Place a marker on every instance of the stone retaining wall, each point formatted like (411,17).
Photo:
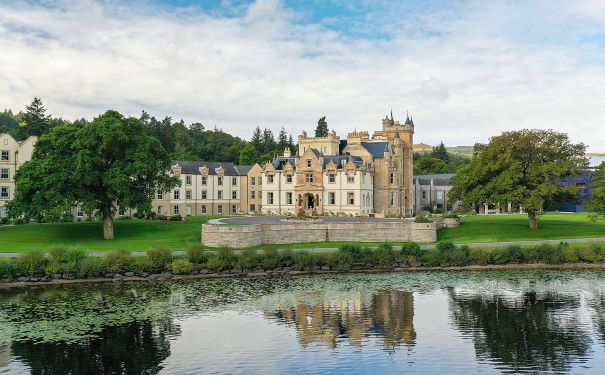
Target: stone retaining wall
(241,236)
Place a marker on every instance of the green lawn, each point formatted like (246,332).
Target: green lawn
(129,234)
(495,228)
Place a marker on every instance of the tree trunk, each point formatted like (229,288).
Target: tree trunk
(108,227)
(533,221)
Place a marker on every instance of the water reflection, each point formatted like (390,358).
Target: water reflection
(387,315)
(531,331)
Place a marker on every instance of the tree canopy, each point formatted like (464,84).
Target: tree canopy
(322,128)
(522,167)
(596,203)
(109,163)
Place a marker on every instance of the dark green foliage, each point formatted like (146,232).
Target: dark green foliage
(176,217)
(181,266)
(31,263)
(453,255)
(226,258)
(336,261)
(7,268)
(412,252)
(35,119)
(160,257)
(596,203)
(322,127)
(384,255)
(75,255)
(352,251)
(303,261)
(545,253)
(247,259)
(440,152)
(509,254)
(119,261)
(197,254)
(93,267)
(271,258)
(161,217)
(423,219)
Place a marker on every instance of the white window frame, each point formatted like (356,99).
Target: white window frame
(350,198)
(8,173)
(270,198)
(219,209)
(187,194)
(219,181)
(176,210)
(288,197)
(176,194)
(5,155)
(204,194)
(204,209)
(270,179)
(188,180)
(252,181)
(220,194)
(332,178)
(233,194)
(331,198)
(309,178)
(233,181)
(204,180)
(350,178)
(288,179)
(252,194)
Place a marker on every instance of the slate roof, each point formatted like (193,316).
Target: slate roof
(281,161)
(376,149)
(193,167)
(438,179)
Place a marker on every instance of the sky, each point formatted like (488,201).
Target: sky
(465,70)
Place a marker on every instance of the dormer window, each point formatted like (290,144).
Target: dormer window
(220,181)
(288,178)
(350,178)
(188,180)
(270,179)
(332,178)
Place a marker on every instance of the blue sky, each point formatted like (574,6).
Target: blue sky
(466,70)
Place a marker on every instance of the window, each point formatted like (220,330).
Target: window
(288,179)
(234,194)
(204,194)
(175,210)
(204,180)
(220,194)
(5,141)
(252,181)
(393,178)
(260,181)
(160,195)
(288,198)
(219,209)
(332,178)
(424,195)
(270,179)
(350,178)
(253,194)
(4,173)
(188,194)
(332,198)
(79,211)
(122,211)
(188,180)
(393,199)
(176,194)
(234,208)
(220,181)
(252,207)
(308,163)
(160,210)
(5,155)
(188,210)
(204,210)
(270,198)
(351,198)
(439,195)
(309,178)
(233,181)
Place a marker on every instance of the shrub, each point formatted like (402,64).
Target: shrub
(226,257)
(452,254)
(92,267)
(56,254)
(451,215)
(509,254)
(411,252)
(119,261)
(197,254)
(336,261)
(161,217)
(271,258)
(160,257)
(31,263)
(75,255)
(176,217)
(598,250)
(545,253)
(4,220)
(7,268)
(143,264)
(303,261)
(423,219)
(181,266)
(586,254)
(480,256)
(384,255)
(19,221)
(247,258)
(353,252)
(213,263)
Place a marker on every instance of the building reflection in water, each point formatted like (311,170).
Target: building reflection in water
(388,316)
(526,331)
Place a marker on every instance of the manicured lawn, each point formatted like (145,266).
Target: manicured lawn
(129,234)
(495,228)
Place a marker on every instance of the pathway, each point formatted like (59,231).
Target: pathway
(425,246)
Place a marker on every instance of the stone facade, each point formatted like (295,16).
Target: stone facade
(430,191)
(13,155)
(359,176)
(217,235)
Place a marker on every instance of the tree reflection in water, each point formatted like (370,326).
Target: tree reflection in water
(387,315)
(529,331)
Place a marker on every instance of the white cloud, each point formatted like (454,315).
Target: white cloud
(465,74)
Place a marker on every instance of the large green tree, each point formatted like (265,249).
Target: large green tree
(322,127)
(522,167)
(37,122)
(108,163)
(247,155)
(596,203)
(440,152)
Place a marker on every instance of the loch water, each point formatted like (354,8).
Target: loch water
(538,321)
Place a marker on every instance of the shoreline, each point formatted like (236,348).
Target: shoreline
(223,275)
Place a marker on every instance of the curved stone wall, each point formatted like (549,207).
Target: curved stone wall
(242,236)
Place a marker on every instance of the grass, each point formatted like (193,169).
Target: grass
(507,228)
(129,234)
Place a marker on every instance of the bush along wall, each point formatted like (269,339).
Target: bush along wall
(158,263)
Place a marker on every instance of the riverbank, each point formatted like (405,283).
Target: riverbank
(282,273)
